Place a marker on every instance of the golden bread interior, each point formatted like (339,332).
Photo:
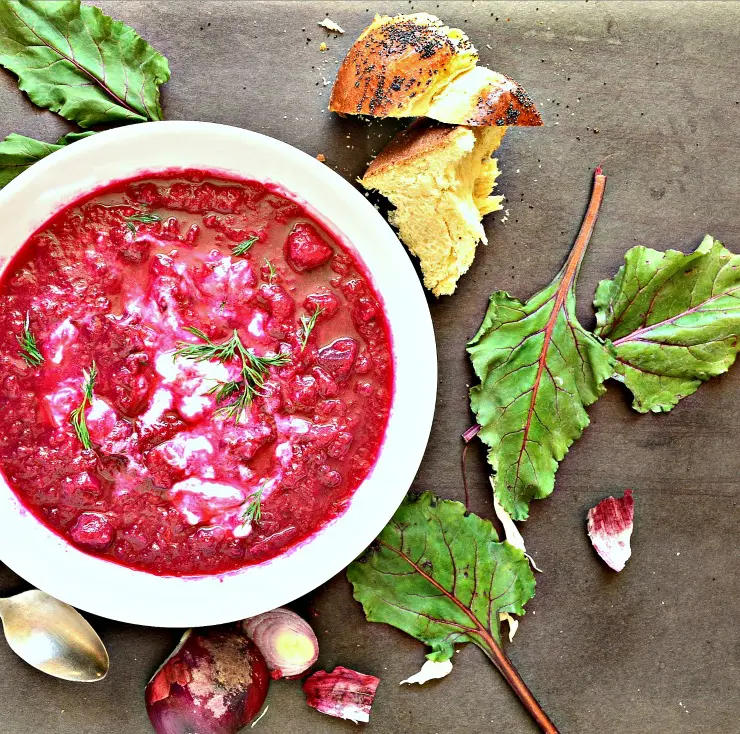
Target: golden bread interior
(440,192)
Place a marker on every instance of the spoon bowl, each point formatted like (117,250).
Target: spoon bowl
(53,637)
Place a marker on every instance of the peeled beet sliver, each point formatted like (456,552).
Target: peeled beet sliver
(610,528)
(343,693)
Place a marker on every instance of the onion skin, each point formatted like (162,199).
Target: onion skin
(343,693)
(214,682)
(286,641)
(610,528)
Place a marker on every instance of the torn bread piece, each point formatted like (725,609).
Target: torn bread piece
(414,66)
(398,64)
(439,178)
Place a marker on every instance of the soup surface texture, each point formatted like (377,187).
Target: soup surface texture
(195,374)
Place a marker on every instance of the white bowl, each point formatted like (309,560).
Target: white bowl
(110,590)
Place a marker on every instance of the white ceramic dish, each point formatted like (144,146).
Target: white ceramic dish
(116,592)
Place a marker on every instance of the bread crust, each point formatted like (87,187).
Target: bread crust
(507,104)
(483,97)
(418,140)
(394,61)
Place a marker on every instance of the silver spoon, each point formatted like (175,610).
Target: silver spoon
(53,637)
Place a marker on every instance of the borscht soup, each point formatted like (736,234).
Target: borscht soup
(195,373)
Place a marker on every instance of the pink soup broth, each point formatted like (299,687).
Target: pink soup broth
(115,279)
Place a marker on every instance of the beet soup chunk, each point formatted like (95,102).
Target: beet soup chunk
(322,299)
(279,303)
(338,358)
(305,249)
(130,383)
(166,468)
(93,530)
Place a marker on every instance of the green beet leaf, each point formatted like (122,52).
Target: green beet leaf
(674,320)
(441,575)
(538,370)
(17,152)
(75,61)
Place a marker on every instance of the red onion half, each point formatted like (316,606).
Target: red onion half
(214,682)
(286,641)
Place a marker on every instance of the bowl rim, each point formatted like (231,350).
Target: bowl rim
(117,592)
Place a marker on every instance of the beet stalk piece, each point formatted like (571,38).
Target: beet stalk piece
(343,693)
(610,528)
(214,682)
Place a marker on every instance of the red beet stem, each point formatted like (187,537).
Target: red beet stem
(465,475)
(467,437)
(471,433)
(499,658)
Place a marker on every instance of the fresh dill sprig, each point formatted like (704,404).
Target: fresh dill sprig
(253,511)
(243,399)
(142,218)
(254,369)
(307,325)
(272,271)
(209,349)
(77,417)
(243,247)
(224,390)
(29,348)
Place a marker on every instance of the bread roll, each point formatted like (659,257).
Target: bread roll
(439,177)
(414,66)
(398,64)
(484,97)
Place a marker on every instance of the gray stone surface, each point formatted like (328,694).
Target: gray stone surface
(654,85)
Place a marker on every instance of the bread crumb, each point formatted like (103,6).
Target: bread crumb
(323,46)
(330,25)
(321,158)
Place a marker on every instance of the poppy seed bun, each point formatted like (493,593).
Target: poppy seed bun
(415,66)
(439,177)
(398,64)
